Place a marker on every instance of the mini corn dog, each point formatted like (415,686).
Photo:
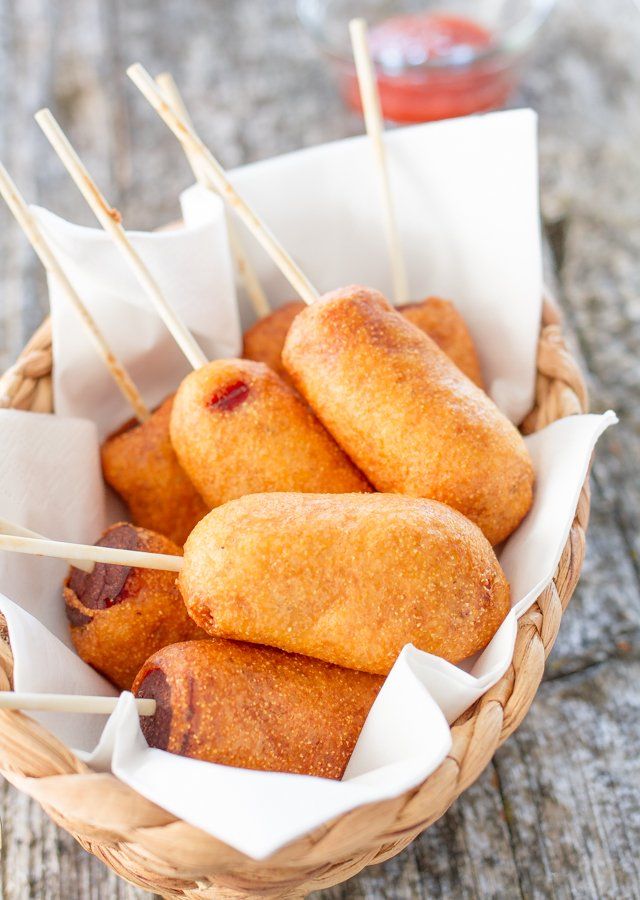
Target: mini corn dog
(140,464)
(263,342)
(239,429)
(254,707)
(404,413)
(120,615)
(348,579)
(438,318)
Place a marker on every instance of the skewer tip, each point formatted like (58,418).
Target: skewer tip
(164,78)
(137,73)
(47,122)
(44,113)
(150,89)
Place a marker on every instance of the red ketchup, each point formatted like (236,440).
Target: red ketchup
(465,85)
(230,396)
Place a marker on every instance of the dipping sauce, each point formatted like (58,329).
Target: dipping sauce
(466,81)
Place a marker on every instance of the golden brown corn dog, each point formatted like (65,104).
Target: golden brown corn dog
(348,579)
(254,707)
(239,429)
(118,615)
(263,342)
(139,463)
(444,325)
(404,413)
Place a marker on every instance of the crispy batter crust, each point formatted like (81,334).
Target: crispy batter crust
(443,323)
(438,318)
(238,429)
(139,463)
(255,707)
(405,414)
(118,615)
(349,579)
(263,342)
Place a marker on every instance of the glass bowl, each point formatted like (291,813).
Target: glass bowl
(434,60)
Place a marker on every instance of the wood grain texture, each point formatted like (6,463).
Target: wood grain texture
(558,812)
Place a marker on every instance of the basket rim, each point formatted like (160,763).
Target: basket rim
(153,849)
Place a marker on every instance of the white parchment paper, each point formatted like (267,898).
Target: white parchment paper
(467,198)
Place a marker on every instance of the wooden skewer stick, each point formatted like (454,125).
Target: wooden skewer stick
(110,220)
(375,129)
(214,171)
(69,703)
(18,206)
(167,85)
(139,559)
(7,527)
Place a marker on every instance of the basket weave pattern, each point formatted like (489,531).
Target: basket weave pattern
(152,849)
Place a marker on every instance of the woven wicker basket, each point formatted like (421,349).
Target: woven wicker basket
(150,848)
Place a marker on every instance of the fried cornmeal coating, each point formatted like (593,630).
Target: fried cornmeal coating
(254,707)
(120,615)
(239,429)
(438,318)
(263,342)
(444,324)
(349,579)
(404,412)
(139,463)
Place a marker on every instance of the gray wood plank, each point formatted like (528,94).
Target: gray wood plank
(576,825)
(466,854)
(41,861)
(603,620)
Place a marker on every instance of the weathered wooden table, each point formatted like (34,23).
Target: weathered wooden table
(557,814)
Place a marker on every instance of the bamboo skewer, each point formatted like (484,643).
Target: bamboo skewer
(25,541)
(69,703)
(214,171)
(7,527)
(23,215)
(375,129)
(139,559)
(110,220)
(167,85)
